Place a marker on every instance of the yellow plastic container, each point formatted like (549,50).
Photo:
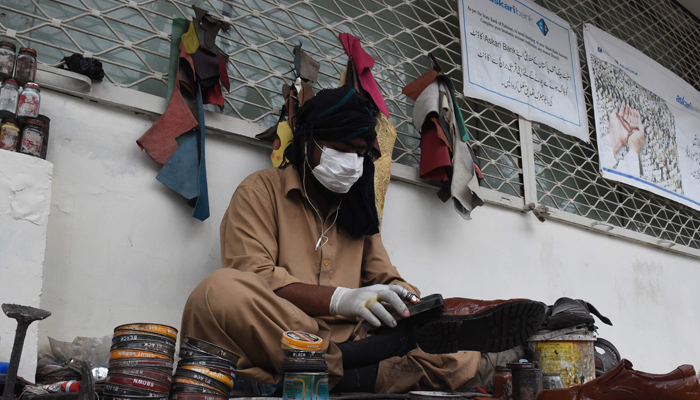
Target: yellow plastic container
(568,352)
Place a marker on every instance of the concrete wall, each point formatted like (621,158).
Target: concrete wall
(25,199)
(123,248)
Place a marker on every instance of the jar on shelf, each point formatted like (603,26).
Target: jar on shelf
(32,139)
(47,135)
(9,134)
(28,103)
(9,94)
(7,59)
(26,65)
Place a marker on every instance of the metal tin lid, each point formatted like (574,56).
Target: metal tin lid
(211,348)
(36,122)
(424,395)
(301,341)
(566,334)
(147,327)
(27,50)
(520,366)
(8,44)
(11,81)
(9,120)
(32,85)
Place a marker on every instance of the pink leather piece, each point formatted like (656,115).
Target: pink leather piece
(363,63)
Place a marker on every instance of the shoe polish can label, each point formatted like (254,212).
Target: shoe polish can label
(306,386)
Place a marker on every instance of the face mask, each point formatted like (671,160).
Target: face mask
(338,171)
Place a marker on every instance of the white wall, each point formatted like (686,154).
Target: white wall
(25,199)
(123,248)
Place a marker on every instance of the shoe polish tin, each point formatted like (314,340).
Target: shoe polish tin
(305,386)
(527,381)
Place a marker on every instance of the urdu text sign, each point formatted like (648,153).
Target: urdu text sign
(524,58)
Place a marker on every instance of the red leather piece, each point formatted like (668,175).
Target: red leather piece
(462,306)
(213,95)
(159,141)
(223,74)
(435,155)
(188,58)
(415,88)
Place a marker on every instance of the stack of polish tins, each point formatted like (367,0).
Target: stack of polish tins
(205,371)
(141,362)
(304,366)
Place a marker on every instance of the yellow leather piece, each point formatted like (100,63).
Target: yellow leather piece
(284,132)
(386,136)
(190,41)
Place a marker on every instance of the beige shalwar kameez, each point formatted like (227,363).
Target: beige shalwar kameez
(268,240)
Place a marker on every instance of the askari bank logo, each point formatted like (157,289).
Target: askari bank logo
(515,10)
(682,101)
(543,26)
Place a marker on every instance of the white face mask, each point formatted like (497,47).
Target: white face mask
(338,171)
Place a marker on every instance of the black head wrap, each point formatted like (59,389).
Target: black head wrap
(341,115)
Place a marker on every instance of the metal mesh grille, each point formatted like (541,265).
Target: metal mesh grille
(131,39)
(567,169)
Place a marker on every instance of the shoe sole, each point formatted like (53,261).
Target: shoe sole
(498,329)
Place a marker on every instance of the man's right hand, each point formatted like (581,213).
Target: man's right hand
(366,303)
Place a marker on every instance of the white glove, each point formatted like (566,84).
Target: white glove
(365,303)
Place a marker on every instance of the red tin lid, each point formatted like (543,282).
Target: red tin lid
(8,44)
(28,50)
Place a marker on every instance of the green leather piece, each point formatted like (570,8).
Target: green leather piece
(176,31)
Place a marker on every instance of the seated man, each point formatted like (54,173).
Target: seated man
(301,251)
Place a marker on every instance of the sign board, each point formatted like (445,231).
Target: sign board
(519,56)
(647,120)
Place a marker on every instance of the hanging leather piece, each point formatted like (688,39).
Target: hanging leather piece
(159,140)
(363,64)
(386,137)
(305,67)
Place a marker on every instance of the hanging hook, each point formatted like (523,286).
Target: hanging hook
(436,66)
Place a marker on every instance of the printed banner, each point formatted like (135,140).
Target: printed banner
(519,56)
(647,120)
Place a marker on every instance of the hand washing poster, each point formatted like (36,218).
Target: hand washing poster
(519,56)
(647,120)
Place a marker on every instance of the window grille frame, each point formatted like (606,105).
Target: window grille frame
(521,193)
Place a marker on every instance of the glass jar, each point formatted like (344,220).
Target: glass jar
(32,141)
(47,135)
(9,134)
(7,59)
(9,94)
(26,65)
(28,103)
(503,383)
